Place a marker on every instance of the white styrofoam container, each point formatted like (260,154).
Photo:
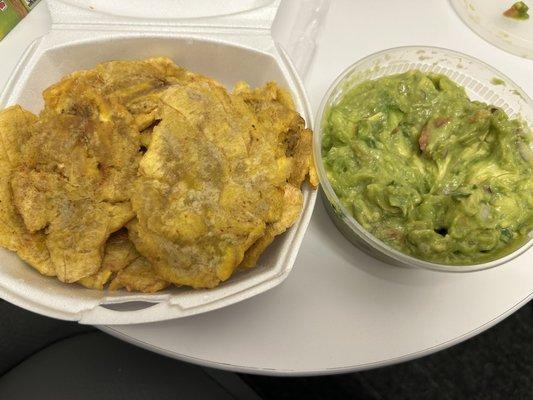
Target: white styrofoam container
(229,41)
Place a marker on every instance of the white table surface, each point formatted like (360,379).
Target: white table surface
(341,310)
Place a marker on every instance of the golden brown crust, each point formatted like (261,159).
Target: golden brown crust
(138,276)
(203,178)
(15,129)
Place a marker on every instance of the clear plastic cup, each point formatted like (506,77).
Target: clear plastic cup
(481,82)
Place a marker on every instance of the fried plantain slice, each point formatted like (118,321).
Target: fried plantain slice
(275,111)
(186,204)
(291,143)
(119,253)
(138,84)
(292,202)
(15,129)
(138,276)
(96,281)
(74,180)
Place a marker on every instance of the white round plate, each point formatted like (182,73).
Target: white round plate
(485,17)
(340,310)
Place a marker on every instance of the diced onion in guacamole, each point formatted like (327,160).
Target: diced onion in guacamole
(428,171)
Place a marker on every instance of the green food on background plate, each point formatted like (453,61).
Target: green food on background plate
(428,171)
(518,11)
(497,81)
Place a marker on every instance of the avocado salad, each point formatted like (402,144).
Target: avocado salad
(518,10)
(428,171)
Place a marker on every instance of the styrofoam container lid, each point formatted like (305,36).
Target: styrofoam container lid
(252,14)
(214,38)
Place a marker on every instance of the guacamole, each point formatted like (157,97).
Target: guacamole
(518,11)
(428,171)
